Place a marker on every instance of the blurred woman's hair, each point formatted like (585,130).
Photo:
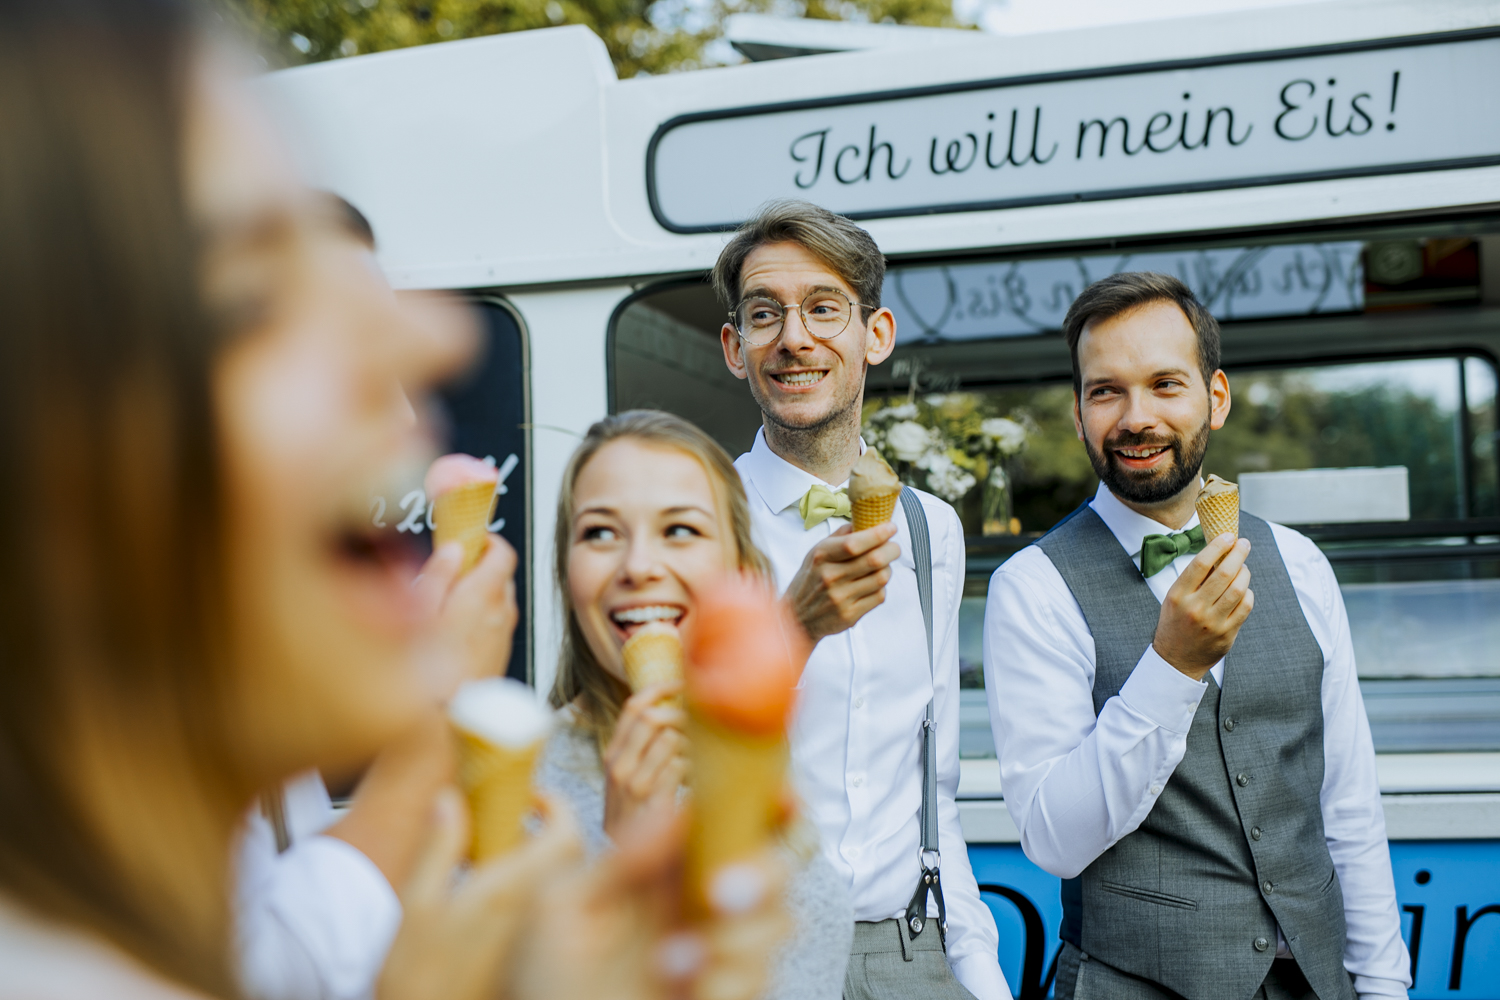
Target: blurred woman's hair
(118,795)
(581,680)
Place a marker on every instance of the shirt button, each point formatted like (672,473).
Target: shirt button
(1242,780)
(859,703)
(1155,789)
(1267,887)
(858,782)
(1228,725)
(1255,833)
(1261,944)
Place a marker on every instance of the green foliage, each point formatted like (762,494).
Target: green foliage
(926,13)
(1282,420)
(642,36)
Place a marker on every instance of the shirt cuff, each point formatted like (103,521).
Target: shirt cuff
(981,976)
(1372,986)
(1162,694)
(340,908)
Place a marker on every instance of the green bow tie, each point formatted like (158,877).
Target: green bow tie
(1158,551)
(820,503)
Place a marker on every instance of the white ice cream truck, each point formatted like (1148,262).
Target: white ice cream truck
(1326,177)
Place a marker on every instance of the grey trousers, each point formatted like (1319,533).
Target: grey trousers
(886,963)
(1082,978)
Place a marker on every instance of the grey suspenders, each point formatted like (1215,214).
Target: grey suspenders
(916,910)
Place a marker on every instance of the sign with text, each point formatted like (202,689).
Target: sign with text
(1020,297)
(1391,106)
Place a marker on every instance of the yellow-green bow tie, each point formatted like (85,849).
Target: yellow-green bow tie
(820,503)
(1158,551)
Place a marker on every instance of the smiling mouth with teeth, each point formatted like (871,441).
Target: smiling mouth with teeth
(799,380)
(627,620)
(1141,452)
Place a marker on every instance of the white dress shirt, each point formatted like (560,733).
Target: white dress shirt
(314,922)
(856,734)
(1075,784)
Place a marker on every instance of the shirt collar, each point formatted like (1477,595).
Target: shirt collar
(1129,527)
(780,483)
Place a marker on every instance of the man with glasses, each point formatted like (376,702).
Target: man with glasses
(803,287)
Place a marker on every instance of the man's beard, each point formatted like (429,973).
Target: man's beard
(1149,485)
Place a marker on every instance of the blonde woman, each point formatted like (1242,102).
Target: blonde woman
(651,512)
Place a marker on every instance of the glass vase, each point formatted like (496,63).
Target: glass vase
(997,517)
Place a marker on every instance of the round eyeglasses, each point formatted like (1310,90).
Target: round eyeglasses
(825,313)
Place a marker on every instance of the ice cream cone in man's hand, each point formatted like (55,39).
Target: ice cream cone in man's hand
(501,728)
(873,489)
(1219,508)
(744,658)
(461,490)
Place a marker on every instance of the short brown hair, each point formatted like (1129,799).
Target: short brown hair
(1120,293)
(580,677)
(848,250)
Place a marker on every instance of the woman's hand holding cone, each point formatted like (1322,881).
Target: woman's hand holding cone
(645,762)
(457,939)
(613,930)
(471,616)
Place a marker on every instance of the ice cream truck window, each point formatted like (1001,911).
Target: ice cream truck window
(1364,380)
(483,412)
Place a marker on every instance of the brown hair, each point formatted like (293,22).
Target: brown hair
(580,678)
(1120,293)
(848,250)
(117,791)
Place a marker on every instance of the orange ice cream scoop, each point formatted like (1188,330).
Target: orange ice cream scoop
(461,490)
(745,656)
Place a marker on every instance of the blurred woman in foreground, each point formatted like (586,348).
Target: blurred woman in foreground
(199,391)
(652,514)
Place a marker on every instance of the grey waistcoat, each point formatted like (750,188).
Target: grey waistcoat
(1234,845)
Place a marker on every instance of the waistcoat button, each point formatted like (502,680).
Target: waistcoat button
(1229,725)
(1242,780)
(1261,944)
(1255,833)
(1267,886)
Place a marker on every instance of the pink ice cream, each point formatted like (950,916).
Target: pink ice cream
(452,471)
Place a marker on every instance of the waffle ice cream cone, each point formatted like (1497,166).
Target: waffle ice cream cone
(873,489)
(739,794)
(500,728)
(462,491)
(463,515)
(1219,508)
(743,662)
(653,655)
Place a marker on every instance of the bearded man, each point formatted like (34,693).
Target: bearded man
(1191,756)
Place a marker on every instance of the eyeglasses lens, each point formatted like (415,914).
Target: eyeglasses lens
(825,314)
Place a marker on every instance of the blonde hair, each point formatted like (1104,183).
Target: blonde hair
(581,679)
